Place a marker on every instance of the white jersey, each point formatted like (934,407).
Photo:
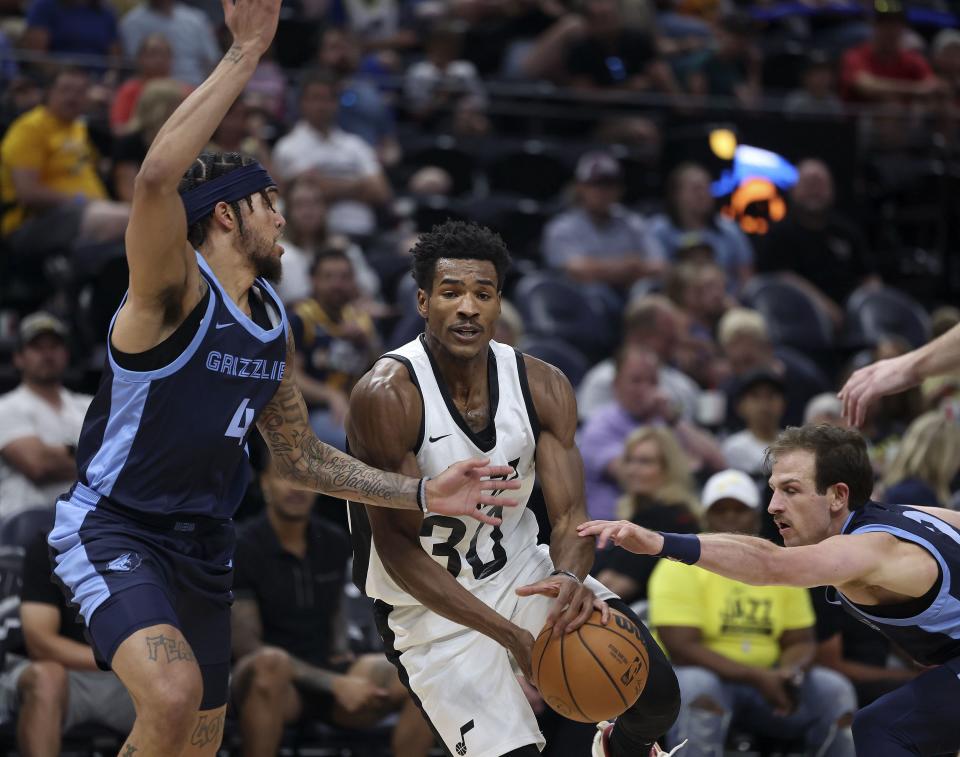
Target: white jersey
(476,554)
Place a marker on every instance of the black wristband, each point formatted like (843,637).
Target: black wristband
(681,547)
(572,575)
(422,494)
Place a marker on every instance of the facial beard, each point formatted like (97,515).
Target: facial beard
(260,252)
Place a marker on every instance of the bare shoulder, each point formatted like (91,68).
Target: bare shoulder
(553,396)
(385,414)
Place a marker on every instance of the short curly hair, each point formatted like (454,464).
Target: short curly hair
(458,240)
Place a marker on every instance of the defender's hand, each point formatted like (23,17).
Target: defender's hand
(874,381)
(460,489)
(574,603)
(253,23)
(623,533)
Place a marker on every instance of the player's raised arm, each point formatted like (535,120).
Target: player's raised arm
(560,470)
(163,271)
(301,457)
(893,375)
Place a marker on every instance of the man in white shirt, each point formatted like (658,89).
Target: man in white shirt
(346,167)
(40,420)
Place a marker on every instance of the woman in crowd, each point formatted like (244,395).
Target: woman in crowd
(926,462)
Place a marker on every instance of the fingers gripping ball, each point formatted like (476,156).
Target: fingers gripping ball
(595,673)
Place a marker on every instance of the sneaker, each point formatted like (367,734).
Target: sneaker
(601,743)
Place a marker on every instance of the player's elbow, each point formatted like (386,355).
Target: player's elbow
(155,176)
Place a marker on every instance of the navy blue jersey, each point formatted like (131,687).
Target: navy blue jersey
(173,440)
(931,633)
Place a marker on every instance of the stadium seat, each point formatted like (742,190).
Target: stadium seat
(558,353)
(22,528)
(555,307)
(518,220)
(875,313)
(793,318)
(531,171)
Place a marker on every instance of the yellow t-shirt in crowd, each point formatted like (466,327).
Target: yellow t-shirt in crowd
(741,622)
(60,150)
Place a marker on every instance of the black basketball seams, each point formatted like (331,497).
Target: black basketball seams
(604,669)
(536,673)
(629,639)
(566,682)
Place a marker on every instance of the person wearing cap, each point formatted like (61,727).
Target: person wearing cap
(599,240)
(760,402)
(40,420)
(743,654)
(197,355)
(882,69)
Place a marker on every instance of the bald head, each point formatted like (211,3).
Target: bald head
(813,192)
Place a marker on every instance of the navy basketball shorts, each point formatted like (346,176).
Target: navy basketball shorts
(125,571)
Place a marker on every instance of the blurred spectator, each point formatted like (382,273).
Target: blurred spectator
(926,462)
(600,240)
(234,134)
(40,420)
(760,404)
(72,27)
(289,632)
(611,55)
(195,49)
(154,60)
(52,195)
(699,290)
(306,234)
(336,343)
(363,109)
(61,685)
(23,93)
(385,28)
(945,57)
(638,401)
(433,86)
(733,66)
(882,69)
(742,653)
(470,119)
(815,246)
(859,653)
(937,389)
(824,409)
(8,62)
(160,97)
(509,328)
(652,322)
(658,493)
(818,93)
(690,207)
(430,181)
(352,182)
(267,90)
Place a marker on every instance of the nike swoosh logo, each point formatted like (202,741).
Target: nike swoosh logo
(224,325)
(438,438)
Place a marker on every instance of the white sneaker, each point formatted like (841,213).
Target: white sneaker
(601,743)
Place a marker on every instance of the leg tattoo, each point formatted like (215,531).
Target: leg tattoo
(207,731)
(173,649)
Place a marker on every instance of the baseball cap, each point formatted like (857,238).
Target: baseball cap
(758,377)
(730,484)
(598,168)
(39,323)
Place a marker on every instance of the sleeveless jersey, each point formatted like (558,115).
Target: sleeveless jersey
(173,440)
(932,635)
(473,552)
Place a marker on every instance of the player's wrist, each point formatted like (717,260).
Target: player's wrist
(568,574)
(681,547)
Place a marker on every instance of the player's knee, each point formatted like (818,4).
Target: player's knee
(270,670)
(43,683)
(173,700)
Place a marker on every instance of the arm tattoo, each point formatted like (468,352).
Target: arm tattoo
(128,750)
(172,649)
(233,55)
(207,731)
(303,458)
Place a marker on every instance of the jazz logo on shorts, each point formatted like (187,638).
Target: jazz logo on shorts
(462,744)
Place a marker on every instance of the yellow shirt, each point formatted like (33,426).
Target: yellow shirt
(739,621)
(61,151)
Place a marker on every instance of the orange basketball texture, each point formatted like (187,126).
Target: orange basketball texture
(595,673)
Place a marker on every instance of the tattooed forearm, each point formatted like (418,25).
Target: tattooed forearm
(300,456)
(234,55)
(207,731)
(128,750)
(168,649)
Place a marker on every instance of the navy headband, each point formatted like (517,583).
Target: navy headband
(232,186)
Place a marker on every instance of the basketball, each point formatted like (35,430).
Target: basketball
(594,673)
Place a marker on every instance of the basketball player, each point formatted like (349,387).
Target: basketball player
(197,354)
(894,567)
(455,602)
(896,374)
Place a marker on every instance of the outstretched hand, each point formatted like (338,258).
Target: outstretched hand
(574,603)
(253,23)
(465,486)
(874,381)
(623,533)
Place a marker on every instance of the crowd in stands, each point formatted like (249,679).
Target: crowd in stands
(590,134)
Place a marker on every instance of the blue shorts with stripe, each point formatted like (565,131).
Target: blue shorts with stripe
(125,570)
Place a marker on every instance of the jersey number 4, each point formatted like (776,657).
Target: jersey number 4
(241,422)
